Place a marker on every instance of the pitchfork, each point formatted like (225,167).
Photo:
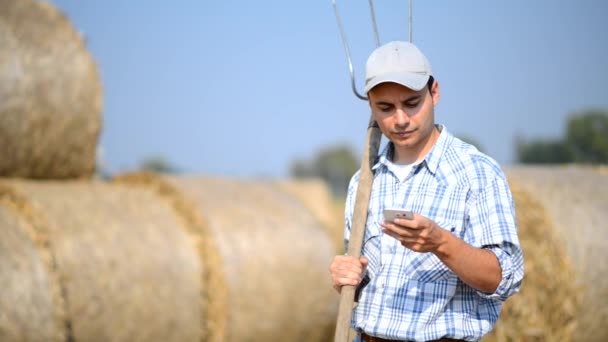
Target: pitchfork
(366,178)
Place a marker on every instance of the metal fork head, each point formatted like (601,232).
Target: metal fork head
(375,27)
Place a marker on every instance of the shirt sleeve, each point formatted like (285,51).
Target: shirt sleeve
(493,227)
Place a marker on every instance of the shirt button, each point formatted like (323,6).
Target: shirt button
(373,318)
(382,285)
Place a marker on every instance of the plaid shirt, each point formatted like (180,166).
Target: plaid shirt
(413,296)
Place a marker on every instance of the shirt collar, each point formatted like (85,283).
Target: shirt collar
(431,160)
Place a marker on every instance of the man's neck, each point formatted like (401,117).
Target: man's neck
(412,154)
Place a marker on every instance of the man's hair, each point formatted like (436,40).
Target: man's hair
(429,83)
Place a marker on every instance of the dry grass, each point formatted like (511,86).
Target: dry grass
(31,300)
(214,295)
(128,272)
(275,257)
(546,307)
(128,258)
(316,197)
(50,108)
(576,200)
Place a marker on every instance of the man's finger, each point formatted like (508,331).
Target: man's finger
(410,224)
(347,269)
(348,281)
(395,229)
(392,234)
(364,261)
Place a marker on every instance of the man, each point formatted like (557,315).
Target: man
(444,274)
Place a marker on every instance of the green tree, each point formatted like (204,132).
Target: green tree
(158,164)
(587,134)
(544,152)
(335,164)
(300,169)
(585,141)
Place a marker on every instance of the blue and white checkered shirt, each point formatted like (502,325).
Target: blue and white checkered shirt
(413,296)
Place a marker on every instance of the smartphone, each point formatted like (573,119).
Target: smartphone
(390,214)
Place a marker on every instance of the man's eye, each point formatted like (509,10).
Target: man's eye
(386,109)
(412,104)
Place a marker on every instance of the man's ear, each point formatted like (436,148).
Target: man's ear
(435,93)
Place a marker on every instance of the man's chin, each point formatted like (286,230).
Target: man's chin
(403,143)
(407,141)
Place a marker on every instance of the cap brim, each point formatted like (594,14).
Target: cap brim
(407,79)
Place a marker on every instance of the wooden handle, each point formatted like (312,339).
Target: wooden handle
(357,231)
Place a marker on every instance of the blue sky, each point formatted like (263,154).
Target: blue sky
(241,88)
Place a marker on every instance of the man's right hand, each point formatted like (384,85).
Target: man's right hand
(347,270)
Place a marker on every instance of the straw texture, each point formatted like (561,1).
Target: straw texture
(275,257)
(576,201)
(317,198)
(546,307)
(32,307)
(214,292)
(50,94)
(129,272)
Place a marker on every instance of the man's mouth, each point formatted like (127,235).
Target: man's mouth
(404,134)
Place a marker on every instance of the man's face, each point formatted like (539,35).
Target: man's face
(406,117)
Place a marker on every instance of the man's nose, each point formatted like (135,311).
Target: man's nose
(401,117)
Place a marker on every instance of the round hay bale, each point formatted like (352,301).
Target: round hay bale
(31,301)
(576,200)
(215,290)
(275,257)
(129,270)
(50,94)
(547,305)
(317,198)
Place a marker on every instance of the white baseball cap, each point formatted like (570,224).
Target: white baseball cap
(397,62)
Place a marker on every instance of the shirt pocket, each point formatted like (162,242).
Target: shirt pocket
(448,212)
(446,206)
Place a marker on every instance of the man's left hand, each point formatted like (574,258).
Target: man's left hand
(419,234)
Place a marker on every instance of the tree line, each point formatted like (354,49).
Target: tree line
(584,141)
